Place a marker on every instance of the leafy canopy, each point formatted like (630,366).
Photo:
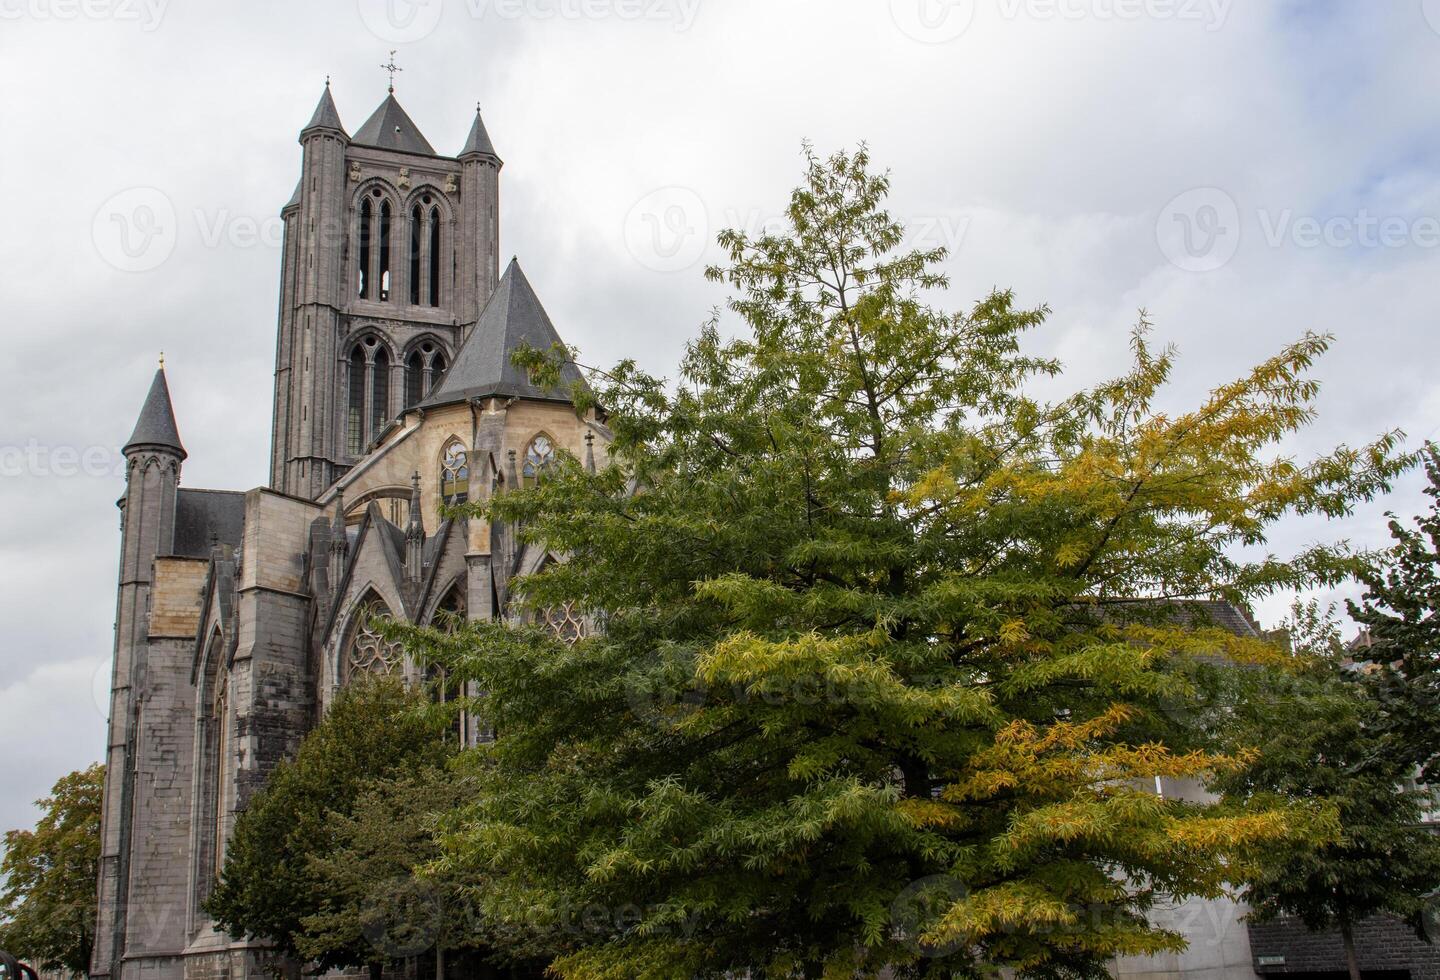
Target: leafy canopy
(1325,737)
(891,649)
(47,906)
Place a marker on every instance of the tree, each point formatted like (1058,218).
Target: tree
(47,907)
(376,730)
(887,643)
(1401,609)
(377,889)
(1324,738)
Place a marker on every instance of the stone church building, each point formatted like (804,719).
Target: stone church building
(240,614)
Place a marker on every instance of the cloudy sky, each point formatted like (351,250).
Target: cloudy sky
(1245,170)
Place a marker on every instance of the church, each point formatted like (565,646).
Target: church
(241,614)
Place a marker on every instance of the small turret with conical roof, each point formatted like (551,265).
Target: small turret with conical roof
(326,116)
(156,428)
(478,142)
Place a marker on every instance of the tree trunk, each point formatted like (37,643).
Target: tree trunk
(439,963)
(376,971)
(1347,933)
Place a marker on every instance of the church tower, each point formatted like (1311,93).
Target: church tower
(153,456)
(391,252)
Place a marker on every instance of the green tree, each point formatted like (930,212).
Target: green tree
(888,644)
(47,907)
(375,889)
(376,730)
(1401,610)
(1324,738)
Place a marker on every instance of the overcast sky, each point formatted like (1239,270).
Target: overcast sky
(1245,170)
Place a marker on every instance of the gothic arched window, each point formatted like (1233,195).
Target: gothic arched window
(383,278)
(443,688)
(368,652)
(368,400)
(425,252)
(373,254)
(539,457)
(454,473)
(434,256)
(367,217)
(422,369)
(221,720)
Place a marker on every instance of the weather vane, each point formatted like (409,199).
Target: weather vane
(392,68)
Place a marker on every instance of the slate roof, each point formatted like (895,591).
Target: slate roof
(391,129)
(478,142)
(156,426)
(482,366)
(199,514)
(326,115)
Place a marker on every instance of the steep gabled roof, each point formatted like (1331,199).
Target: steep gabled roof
(482,366)
(156,425)
(391,129)
(326,115)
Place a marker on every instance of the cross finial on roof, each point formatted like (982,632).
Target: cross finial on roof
(162,360)
(392,68)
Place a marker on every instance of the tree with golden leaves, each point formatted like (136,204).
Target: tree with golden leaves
(886,651)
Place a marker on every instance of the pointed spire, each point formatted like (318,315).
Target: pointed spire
(589,451)
(156,427)
(415,523)
(512,479)
(326,115)
(339,541)
(478,143)
(414,534)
